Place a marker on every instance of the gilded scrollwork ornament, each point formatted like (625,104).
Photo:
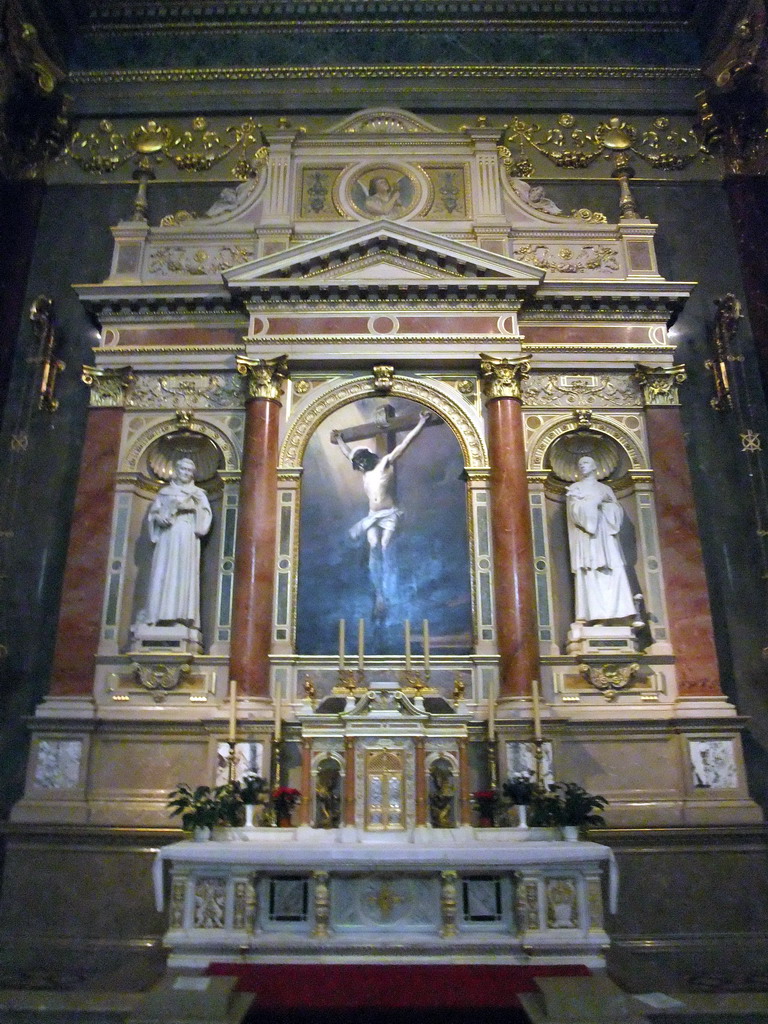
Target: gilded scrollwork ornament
(164,678)
(663,144)
(192,150)
(610,679)
(660,383)
(264,376)
(503,378)
(109,386)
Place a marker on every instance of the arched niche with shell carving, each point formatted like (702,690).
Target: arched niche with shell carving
(617,445)
(153,444)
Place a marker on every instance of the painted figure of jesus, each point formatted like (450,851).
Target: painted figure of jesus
(381,521)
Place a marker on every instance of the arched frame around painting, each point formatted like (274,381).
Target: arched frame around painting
(466,427)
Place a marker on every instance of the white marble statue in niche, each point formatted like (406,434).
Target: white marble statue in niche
(602,591)
(178,517)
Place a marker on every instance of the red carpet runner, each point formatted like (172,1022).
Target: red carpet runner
(317,987)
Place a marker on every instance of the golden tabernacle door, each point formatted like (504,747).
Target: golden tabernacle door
(384,789)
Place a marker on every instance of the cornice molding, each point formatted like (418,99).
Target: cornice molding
(108,15)
(387,71)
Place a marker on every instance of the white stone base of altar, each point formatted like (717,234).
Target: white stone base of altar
(484,895)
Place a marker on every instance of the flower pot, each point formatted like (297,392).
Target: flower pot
(484,822)
(284,820)
(571,833)
(201,833)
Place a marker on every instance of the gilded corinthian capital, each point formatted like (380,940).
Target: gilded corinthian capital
(659,383)
(265,376)
(109,385)
(503,378)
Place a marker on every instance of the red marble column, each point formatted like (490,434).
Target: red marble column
(87,557)
(255,550)
(516,623)
(690,619)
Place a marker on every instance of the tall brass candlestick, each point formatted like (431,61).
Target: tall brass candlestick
(536,710)
(360,643)
(407,645)
(342,643)
(232,710)
(425,634)
(278,715)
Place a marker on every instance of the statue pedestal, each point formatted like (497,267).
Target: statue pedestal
(177,638)
(600,639)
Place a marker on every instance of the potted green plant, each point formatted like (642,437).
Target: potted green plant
(231,809)
(544,808)
(199,809)
(577,809)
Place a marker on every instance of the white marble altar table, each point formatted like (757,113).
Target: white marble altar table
(427,895)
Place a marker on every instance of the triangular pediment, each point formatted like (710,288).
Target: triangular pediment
(386,255)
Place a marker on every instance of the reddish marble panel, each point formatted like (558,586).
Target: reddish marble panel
(578,334)
(181,336)
(690,619)
(255,551)
(87,557)
(516,624)
(446,324)
(437,324)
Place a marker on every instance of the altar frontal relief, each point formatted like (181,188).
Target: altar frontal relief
(383,531)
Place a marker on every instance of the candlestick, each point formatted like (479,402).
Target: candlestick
(536,711)
(360,643)
(342,643)
(232,710)
(278,715)
(407,645)
(425,633)
(491,712)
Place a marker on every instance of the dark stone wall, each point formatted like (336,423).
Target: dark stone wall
(312,46)
(40,451)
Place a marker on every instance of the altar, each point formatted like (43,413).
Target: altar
(428,895)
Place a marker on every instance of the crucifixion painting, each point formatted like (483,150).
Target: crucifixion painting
(380,485)
(383,532)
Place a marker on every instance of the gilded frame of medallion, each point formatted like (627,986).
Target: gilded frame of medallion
(355,192)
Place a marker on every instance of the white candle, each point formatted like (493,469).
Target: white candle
(491,712)
(407,645)
(360,643)
(342,642)
(232,710)
(278,715)
(425,632)
(536,710)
